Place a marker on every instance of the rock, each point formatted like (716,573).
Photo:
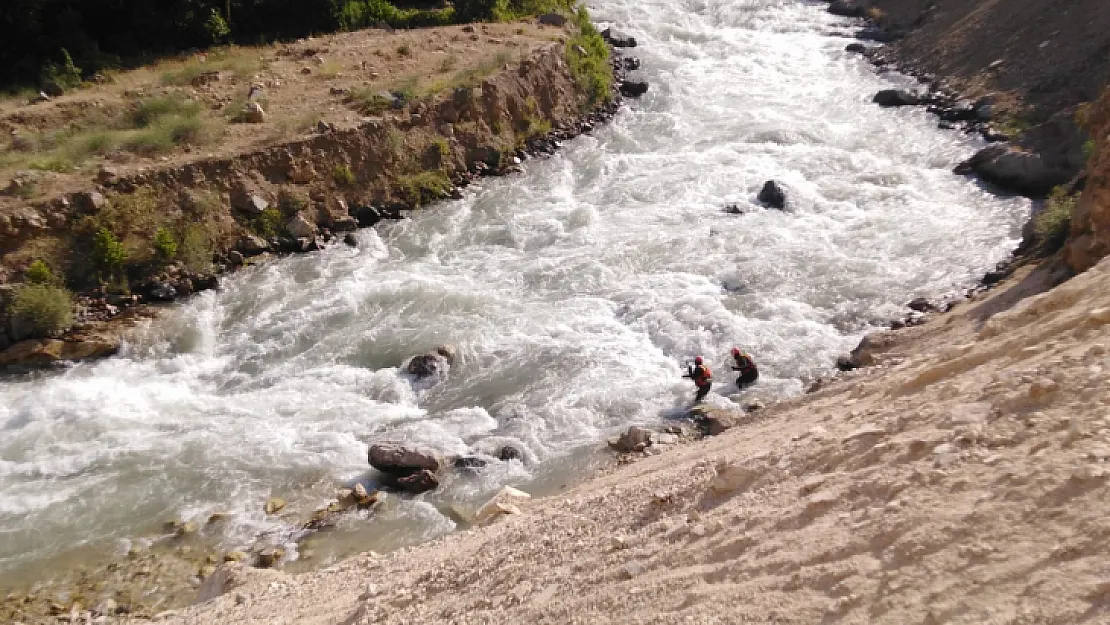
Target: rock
(350,240)
(633,88)
(508,452)
(1013,170)
(630,63)
(157,291)
(871,345)
(921,304)
(773,195)
(205,78)
(218,517)
(961,111)
(107,175)
(633,569)
(274,505)
(323,127)
(733,477)
(235,258)
(431,363)
(844,363)
(984,112)
(504,502)
(866,433)
(896,97)
(255,204)
(618,39)
(253,113)
(635,439)
(106,607)
(394,458)
(52,89)
(252,245)
(753,406)
(876,34)
(235,556)
(91,201)
(418,482)
(469,462)
(187,529)
(267,558)
(448,352)
(663,438)
(43,352)
(40,98)
(847,8)
(363,498)
(367,216)
(552,19)
(857,48)
(300,227)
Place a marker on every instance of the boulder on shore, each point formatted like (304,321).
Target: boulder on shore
(896,97)
(847,8)
(618,39)
(1011,169)
(773,195)
(635,439)
(394,458)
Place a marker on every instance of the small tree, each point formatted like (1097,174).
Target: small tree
(39,273)
(40,310)
(109,255)
(165,246)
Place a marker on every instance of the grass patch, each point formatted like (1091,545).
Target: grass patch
(197,247)
(240,62)
(588,59)
(343,175)
(40,310)
(1053,222)
(473,76)
(330,69)
(442,146)
(404,50)
(424,187)
(448,63)
(1089,148)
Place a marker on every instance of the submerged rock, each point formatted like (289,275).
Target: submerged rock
(394,458)
(633,88)
(508,452)
(896,97)
(773,195)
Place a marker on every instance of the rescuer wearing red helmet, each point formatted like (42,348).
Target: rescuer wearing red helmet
(746,366)
(702,377)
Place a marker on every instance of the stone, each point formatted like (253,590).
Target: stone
(323,127)
(469,462)
(235,556)
(921,304)
(1014,170)
(43,352)
(40,98)
(267,558)
(552,19)
(52,89)
(157,291)
(618,39)
(635,439)
(633,569)
(300,227)
(663,438)
(350,240)
(878,35)
(106,607)
(844,363)
(633,88)
(716,421)
(235,258)
(255,204)
(253,113)
(252,245)
(508,452)
(274,505)
(430,364)
(773,195)
(896,97)
(91,201)
(363,498)
(847,8)
(417,482)
(504,502)
(857,48)
(733,477)
(187,529)
(394,458)
(107,175)
(865,434)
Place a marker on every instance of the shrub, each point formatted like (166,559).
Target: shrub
(424,187)
(40,310)
(404,50)
(1089,148)
(1053,222)
(269,223)
(442,146)
(588,58)
(150,111)
(109,255)
(197,248)
(165,246)
(343,175)
(67,75)
(39,273)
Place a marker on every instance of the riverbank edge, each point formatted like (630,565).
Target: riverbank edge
(404,159)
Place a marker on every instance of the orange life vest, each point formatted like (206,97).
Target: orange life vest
(704,377)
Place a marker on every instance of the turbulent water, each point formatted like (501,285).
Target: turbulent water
(573,291)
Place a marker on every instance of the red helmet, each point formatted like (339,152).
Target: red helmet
(735,351)
(697,361)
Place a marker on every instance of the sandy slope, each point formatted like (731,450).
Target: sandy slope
(963,480)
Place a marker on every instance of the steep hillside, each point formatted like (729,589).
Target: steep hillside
(1090,224)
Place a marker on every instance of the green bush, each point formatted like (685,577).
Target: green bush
(269,223)
(197,248)
(424,187)
(40,310)
(343,175)
(356,14)
(39,273)
(1053,222)
(151,111)
(165,246)
(109,254)
(67,75)
(588,58)
(1089,148)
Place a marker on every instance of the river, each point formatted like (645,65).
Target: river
(573,291)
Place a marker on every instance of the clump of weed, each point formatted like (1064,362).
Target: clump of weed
(165,246)
(268,224)
(1053,222)
(588,58)
(109,255)
(424,187)
(39,272)
(343,175)
(40,310)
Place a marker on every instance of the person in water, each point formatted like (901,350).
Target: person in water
(746,366)
(702,377)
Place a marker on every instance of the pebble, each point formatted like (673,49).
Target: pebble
(633,569)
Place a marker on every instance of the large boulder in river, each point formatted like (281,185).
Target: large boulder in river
(395,458)
(431,363)
(847,8)
(772,194)
(618,39)
(633,88)
(896,97)
(1011,169)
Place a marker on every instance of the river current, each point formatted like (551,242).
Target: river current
(573,292)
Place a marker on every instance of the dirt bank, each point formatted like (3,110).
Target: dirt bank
(959,480)
(351,129)
(1043,59)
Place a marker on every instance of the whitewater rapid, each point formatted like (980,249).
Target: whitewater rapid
(573,292)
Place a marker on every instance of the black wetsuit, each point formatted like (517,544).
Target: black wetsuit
(748,371)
